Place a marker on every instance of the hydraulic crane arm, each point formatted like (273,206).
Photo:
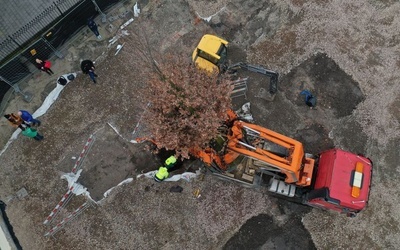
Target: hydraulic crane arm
(250,140)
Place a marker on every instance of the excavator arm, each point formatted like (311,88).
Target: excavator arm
(254,142)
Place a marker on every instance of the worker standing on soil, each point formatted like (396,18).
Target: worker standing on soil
(310,100)
(28,118)
(16,121)
(162,172)
(93,27)
(32,133)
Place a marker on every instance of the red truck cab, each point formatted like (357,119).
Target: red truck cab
(342,182)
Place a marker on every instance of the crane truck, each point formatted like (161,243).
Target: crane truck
(258,157)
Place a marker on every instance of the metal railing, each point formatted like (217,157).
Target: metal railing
(13,39)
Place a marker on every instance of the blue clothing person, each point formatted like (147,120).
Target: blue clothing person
(27,117)
(93,27)
(310,100)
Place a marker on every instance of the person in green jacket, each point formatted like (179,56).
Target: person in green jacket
(162,172)
(32,133)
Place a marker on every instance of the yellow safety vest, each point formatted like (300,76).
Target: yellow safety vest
(161,174)
(170,161)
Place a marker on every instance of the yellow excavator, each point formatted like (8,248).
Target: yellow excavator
(211,53)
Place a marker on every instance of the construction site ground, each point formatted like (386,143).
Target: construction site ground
(344,52)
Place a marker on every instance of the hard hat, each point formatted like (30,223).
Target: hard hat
(170,160)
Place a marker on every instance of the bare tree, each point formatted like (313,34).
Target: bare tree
(187,105)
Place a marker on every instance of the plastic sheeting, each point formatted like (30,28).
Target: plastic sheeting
(119,184)
(187,176)
(51,98)
(77,188)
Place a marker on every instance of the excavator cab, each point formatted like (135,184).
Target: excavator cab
(211,53)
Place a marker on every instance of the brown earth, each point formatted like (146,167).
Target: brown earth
(346,53)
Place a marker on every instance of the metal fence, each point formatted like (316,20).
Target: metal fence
(43,37)
(13,39)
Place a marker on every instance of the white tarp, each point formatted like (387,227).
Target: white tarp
(52,97)
(121,183)
(5,239)
(187,176)
(77,188)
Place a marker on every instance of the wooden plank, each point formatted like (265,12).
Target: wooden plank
(247,177)
(229,174)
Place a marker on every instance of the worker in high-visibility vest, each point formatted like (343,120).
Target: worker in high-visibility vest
(170,162)
(162,172)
